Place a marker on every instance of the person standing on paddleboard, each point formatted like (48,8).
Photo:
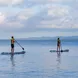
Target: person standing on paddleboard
(58,44)
(12,44)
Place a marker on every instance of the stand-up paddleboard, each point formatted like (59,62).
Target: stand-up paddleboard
(66,50)
(8,53)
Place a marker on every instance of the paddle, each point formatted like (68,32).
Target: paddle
(19,44)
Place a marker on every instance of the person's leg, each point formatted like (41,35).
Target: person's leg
(13,50)
(59,48)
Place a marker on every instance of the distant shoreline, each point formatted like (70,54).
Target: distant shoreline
(48,38)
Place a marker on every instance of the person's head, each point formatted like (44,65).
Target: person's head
(58,38)
(12,37)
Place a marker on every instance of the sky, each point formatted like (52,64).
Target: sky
(38,18)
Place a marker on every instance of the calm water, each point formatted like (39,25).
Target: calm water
(38,62)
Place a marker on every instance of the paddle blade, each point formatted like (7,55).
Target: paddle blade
(23,48)
(61,50)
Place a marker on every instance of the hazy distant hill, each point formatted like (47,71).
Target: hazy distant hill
(51,38)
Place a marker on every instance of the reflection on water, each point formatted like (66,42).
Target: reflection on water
(12,60)
(58,60)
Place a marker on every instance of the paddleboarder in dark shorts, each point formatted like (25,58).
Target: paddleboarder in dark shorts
(12,44)
(58,44)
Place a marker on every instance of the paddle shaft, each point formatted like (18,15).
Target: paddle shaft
(19,44)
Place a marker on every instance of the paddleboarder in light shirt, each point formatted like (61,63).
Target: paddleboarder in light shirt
(12,44)
(58,44)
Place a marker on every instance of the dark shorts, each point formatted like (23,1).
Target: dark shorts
(58,45)
(12,45)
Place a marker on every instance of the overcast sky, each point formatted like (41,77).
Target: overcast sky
(37,18)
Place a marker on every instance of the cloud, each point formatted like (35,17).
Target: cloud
(50,1)
(14,25)
(2,18)
(28,20)
(5,2)
(17,1)
(43,1)
(38,17)
(18,21)
(26,14)
(9,23)
(51,14)
(10,2)
(58,10)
